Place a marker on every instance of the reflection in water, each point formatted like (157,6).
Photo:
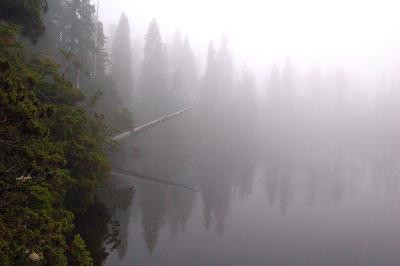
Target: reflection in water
(104,226)
(260,199)
(180,206)
(97,228)
(153,209)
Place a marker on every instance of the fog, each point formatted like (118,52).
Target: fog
(290,154)
(351,34)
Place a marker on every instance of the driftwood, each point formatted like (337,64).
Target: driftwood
(141,128)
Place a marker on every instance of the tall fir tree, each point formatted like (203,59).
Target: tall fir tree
(102,58)
(184,78)
(70,29)
(121,62)
(153,81)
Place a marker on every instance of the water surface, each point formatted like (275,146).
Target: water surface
(262,201)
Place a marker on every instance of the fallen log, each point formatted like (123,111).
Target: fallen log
(141,128)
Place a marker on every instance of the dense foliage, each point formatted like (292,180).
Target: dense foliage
(53,134)
(26,13)
(51,156)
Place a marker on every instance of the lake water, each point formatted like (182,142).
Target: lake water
(261,201)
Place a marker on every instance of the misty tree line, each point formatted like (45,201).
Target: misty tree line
(162,77)
(66,88)
(313,134)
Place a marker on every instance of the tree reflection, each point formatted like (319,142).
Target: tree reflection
(180,209)
(152,205)
(98,230)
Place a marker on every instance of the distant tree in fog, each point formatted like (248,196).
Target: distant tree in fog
(110,102)
(101,54)
(184,76)
(121,61)
(111,30)
(153,80)
(209,80)
(218,80)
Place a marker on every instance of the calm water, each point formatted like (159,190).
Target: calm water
(261,202)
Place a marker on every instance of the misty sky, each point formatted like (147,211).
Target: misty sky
(360,34)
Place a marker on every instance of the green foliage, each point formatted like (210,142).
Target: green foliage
(80,255)
(25,13)
(52,137)
(97,228)
(103,98)
(51,158)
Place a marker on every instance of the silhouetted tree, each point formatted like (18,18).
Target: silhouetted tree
(184,79)
(153,80)
(121,61)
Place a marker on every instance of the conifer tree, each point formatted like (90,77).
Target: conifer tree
(153,80)
(121,61)
(101,55)
(184,79)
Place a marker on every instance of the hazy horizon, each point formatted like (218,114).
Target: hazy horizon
(361,37)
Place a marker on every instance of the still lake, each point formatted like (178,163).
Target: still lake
(279,201)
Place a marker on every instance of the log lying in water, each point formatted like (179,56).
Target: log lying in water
(154,180)
(141,128)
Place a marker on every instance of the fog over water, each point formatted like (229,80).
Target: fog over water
(291,154)
(336,33)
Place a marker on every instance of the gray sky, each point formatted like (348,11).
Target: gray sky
(361,34)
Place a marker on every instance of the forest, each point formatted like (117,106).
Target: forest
(69,84)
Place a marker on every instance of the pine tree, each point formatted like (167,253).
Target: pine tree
(70,29)
(153,80)
(55,22)
(121,61)
(184,79)
(101,55)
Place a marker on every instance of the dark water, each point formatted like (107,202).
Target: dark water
(262,201)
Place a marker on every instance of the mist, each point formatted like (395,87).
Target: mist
(294,125)
(201,132)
